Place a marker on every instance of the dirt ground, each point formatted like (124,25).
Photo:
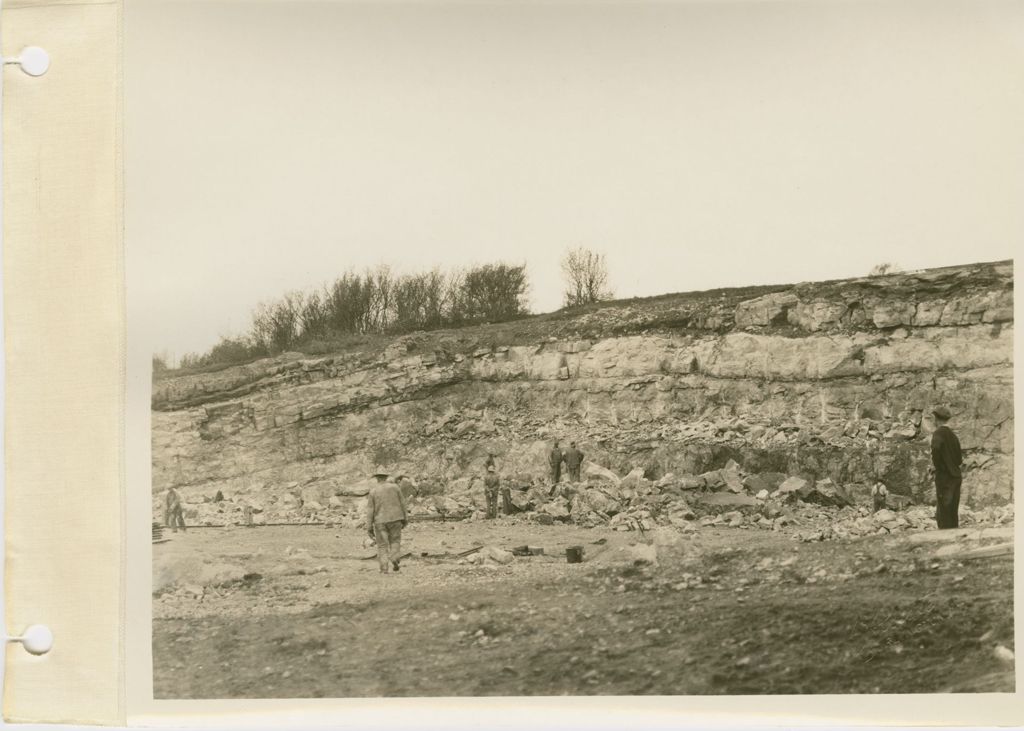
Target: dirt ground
(291,612)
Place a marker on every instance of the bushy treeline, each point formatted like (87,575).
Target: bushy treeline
(375,302)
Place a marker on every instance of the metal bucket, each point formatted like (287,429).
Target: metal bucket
(574,554)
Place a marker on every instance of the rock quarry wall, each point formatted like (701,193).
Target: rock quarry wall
(822,380)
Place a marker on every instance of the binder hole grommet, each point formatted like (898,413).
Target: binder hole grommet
(34,61)
(37,639)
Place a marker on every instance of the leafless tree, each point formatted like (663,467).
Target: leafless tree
(376,301)
(586,277)
(276,326)
(419,301)
(884,268)
(161,362)
(380,284)
(314,315)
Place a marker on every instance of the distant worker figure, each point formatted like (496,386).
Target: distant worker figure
(247,515)
(573,459)
(489,462)
(506,498)
(947,460)
(879,493)
(174,516)
(491,484)
(386,515)
(555,460)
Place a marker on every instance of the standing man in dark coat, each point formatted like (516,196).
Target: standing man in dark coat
(573,459)
(555,460)
(946,459)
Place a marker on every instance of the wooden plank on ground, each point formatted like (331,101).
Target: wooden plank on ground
(967,554)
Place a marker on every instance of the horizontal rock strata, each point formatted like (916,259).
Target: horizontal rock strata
(831,380)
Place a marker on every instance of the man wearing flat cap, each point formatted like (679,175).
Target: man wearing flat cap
(386,515)
(947,460)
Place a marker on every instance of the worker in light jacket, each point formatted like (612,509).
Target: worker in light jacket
(879,495)
(492,483)
(386,515)
(573,460)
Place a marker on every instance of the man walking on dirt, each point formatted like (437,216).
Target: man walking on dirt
(491,484)
(573,459)
(555,460)
(947,460)
(386,515)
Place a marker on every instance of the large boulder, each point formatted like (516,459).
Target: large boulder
(892,314)
(642,553)
(733,518)
(556,509)
(498,555)
(451,506)
(664,481)
(773,480)
(766,310)
(521,500)
(635,479)
(713,480)
(732,479)
(729,499)
(732,466)
(792,487)
(757,483)
(826,492)
(887,519)
(170,572)
(600,501)
(691,482)
(358,489)
(594,471)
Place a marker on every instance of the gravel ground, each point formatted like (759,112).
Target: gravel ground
(297,612)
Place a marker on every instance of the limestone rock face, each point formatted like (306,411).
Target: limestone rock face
(829,381)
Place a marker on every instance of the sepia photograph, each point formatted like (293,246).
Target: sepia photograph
(576,349)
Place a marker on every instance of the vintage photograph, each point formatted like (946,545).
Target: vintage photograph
(543,349)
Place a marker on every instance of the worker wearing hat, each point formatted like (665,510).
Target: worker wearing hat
(947,460)
(386,515)
(573,459)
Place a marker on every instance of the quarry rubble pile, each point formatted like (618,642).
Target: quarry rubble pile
(730,497)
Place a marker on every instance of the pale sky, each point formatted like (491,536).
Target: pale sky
(273,145)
